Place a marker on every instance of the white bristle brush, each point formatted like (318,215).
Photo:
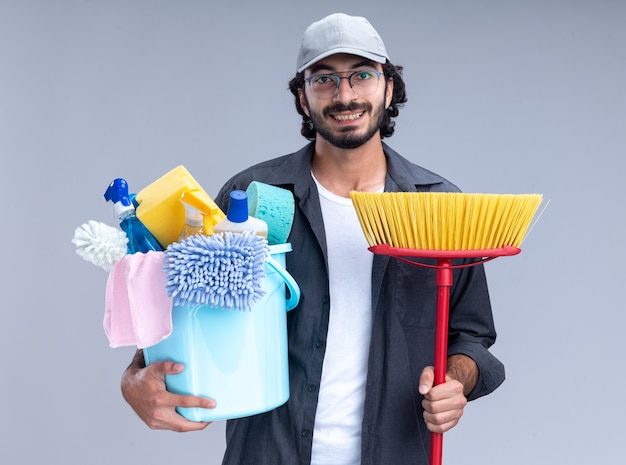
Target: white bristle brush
(100,244)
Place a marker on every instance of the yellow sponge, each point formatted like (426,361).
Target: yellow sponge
(161,210)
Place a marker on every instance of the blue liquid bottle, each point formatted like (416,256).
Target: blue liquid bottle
(140,239)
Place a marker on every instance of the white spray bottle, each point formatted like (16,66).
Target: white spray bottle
(194,217)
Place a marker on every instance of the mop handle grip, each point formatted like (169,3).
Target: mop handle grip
(444,282)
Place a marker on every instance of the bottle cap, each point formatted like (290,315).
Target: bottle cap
(117,192)
(238,207)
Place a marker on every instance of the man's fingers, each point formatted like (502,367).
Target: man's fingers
(443,406)
(160,369)
(427,380)
(194,401)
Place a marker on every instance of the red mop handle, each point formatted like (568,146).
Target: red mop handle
(444,282)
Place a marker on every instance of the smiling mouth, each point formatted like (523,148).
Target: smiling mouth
(351,117)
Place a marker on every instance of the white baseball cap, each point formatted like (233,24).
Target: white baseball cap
(340,33)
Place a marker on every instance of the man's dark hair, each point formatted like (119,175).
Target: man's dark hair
(387,128)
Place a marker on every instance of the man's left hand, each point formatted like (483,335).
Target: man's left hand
(443,404)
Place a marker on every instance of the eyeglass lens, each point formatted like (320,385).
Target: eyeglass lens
(363,83)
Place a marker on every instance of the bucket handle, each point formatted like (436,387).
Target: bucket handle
(292,285)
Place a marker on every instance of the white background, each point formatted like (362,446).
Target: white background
(504,96)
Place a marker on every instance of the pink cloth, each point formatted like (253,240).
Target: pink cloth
(137,309)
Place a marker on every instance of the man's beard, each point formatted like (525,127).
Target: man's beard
(348,138)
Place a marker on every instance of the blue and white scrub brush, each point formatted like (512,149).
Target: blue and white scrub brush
(222,270)
(100,244)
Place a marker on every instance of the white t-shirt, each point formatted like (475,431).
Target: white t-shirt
(339,415)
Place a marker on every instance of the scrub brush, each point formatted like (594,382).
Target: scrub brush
(100,244)
(222,270)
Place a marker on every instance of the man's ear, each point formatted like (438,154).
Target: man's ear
(303,102)
(389,94)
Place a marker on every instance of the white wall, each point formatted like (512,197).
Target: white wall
(504,96)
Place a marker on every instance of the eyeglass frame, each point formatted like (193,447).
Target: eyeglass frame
(349,78)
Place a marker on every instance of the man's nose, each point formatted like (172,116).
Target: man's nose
(344,92)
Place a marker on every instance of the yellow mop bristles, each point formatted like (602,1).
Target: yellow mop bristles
(445,220)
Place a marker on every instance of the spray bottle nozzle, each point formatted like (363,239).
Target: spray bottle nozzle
(117,192)
(193,215)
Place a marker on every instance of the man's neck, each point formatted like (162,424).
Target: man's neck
(342,170)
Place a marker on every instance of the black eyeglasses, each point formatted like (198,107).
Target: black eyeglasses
(363,83)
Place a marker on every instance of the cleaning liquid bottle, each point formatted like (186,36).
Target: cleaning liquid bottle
(140,239)
(237,219)
(194,217)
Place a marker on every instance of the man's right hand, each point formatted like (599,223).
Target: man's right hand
(144,389)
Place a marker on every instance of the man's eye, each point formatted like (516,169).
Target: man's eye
(322,79)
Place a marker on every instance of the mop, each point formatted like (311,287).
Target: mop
(222,270)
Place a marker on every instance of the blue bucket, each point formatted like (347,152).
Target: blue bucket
(236,357)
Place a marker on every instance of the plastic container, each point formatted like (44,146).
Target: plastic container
(160,209)
(194,217)
(140,239)
(236,357)
(237,218)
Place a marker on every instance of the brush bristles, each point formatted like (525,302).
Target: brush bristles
(445,220)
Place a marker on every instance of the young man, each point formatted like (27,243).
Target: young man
(361,340)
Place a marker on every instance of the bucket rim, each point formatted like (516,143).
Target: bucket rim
(280,248)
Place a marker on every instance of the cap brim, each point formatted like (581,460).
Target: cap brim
(351,51)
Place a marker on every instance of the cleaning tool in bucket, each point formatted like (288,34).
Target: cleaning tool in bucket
(275,206)
(444,226)
(137,309)
(160,209)
(223,270)
(237,217)
(194,215)
(140,239)
(100,244)
(233,343)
